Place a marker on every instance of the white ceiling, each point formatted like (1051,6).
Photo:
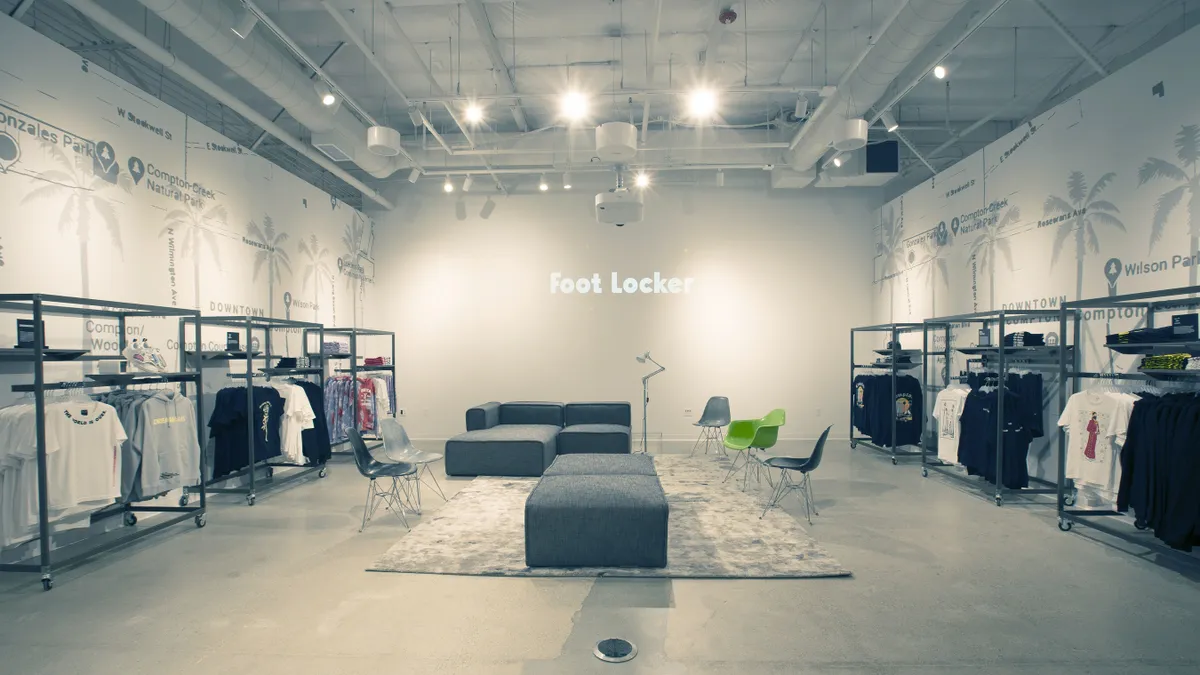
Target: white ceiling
(1014,64)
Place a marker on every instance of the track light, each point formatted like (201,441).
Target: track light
(720,178)
(939,71)
(414,175)
(801,108)
(889,122)
(468,182)
(574,105)
(474,113)
(566,180)
(245,24)
(542,184)
(837,160)
(488,207)
(642,179)
(448,186)
(414,114)
(702,103)
(324,93)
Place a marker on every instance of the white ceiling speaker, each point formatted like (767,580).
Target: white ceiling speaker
(383,141)
(616,142)
(853,136)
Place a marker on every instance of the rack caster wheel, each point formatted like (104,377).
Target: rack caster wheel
(201,521)
(183,501)
(270,472)
(853,444)
(924,472)
(1064,524)
(894,462)
(250,500)
(47,584)
(323,472)
(1069,499)
(999,500)
(130,519)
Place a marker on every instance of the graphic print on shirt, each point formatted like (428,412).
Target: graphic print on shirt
(950,410)
(904,408)
(859,392)
(83,413)
(266,415)
(1093,428)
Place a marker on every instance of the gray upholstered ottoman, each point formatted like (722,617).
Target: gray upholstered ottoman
(602,465)
(601,427)
(596,521)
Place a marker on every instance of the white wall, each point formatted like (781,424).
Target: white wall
(779,279)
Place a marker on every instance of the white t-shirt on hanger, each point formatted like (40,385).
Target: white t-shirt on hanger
(1093,458)
(947,410)
(297,416)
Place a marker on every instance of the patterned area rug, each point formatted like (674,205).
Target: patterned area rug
(715,532)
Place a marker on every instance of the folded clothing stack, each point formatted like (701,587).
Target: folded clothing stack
(1166,362)
(1023,339)
(335,348)
(1193,363)
(1183,328)
(376,361)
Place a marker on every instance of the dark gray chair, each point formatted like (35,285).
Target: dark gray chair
(396,495)
(714,418)
(805,465)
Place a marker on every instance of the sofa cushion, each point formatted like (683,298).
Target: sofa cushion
(600,412)
(483,416)
(596,521)
(531,412)
(594,438)
(504,450)
(602,465)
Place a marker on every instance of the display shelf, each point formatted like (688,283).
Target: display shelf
(1164,373)
(26,354)
(289,371)
(1047,351)
(317,355)
(224,355)
(899,352)
(366,369)
(1150,348)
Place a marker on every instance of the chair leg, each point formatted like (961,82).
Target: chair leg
(702,437)
(426,473)
(812,497)
(733,467)
(397,496)
(367,510)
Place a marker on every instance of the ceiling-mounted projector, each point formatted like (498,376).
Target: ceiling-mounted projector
(619,206)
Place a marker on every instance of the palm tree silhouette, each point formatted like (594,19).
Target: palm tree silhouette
(83,191)
(891,249)
(935,267)
(194,223)
(1088,212)
(991,240)
(352,244)
(1187,149)
(273,256)
(315,269)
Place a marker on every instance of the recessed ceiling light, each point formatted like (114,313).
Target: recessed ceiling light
(642,180)
(474,114)
(448,186)
(542,184)
(574,105)
(939,71)
(702,103)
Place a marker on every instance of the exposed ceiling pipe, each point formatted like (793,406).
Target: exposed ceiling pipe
(492,46)
(725,91)
(920,67)
(827,106)
(127,33)
(256,59)
(651,48)
(591,168)
(409,46)
(1071,39)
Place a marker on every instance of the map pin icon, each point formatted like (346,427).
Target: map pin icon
(287,304)
(1112,271)
(136,169)
(10,152)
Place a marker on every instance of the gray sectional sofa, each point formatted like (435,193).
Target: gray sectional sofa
(522,438)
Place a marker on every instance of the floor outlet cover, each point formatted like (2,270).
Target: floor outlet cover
(615,650)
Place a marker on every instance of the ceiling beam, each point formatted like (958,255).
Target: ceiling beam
(806,38)
(263,135)
(1070,38)
(651,48)
(492,46)
(21,8)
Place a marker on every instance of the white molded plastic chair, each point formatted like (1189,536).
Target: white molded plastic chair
(398,448)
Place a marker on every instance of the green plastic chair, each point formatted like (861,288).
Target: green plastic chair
(746,436)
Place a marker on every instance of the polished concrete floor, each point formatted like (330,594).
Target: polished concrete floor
(944,582)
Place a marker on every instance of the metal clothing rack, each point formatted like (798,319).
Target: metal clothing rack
(249,354)
(894,331)
(39,306)
(1152,303)
(1001,357)
(354,369)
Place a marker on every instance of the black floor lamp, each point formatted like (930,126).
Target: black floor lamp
(646,392)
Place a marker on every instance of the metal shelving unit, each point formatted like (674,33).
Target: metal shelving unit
(1071,313)
(1002,358)
(38,306)
(250,354)
(353,369)
(895,368)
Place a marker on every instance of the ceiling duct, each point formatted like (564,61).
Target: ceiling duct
(616,142)
(211,23)
(905,34)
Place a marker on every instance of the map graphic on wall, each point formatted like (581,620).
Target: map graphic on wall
(114,195)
